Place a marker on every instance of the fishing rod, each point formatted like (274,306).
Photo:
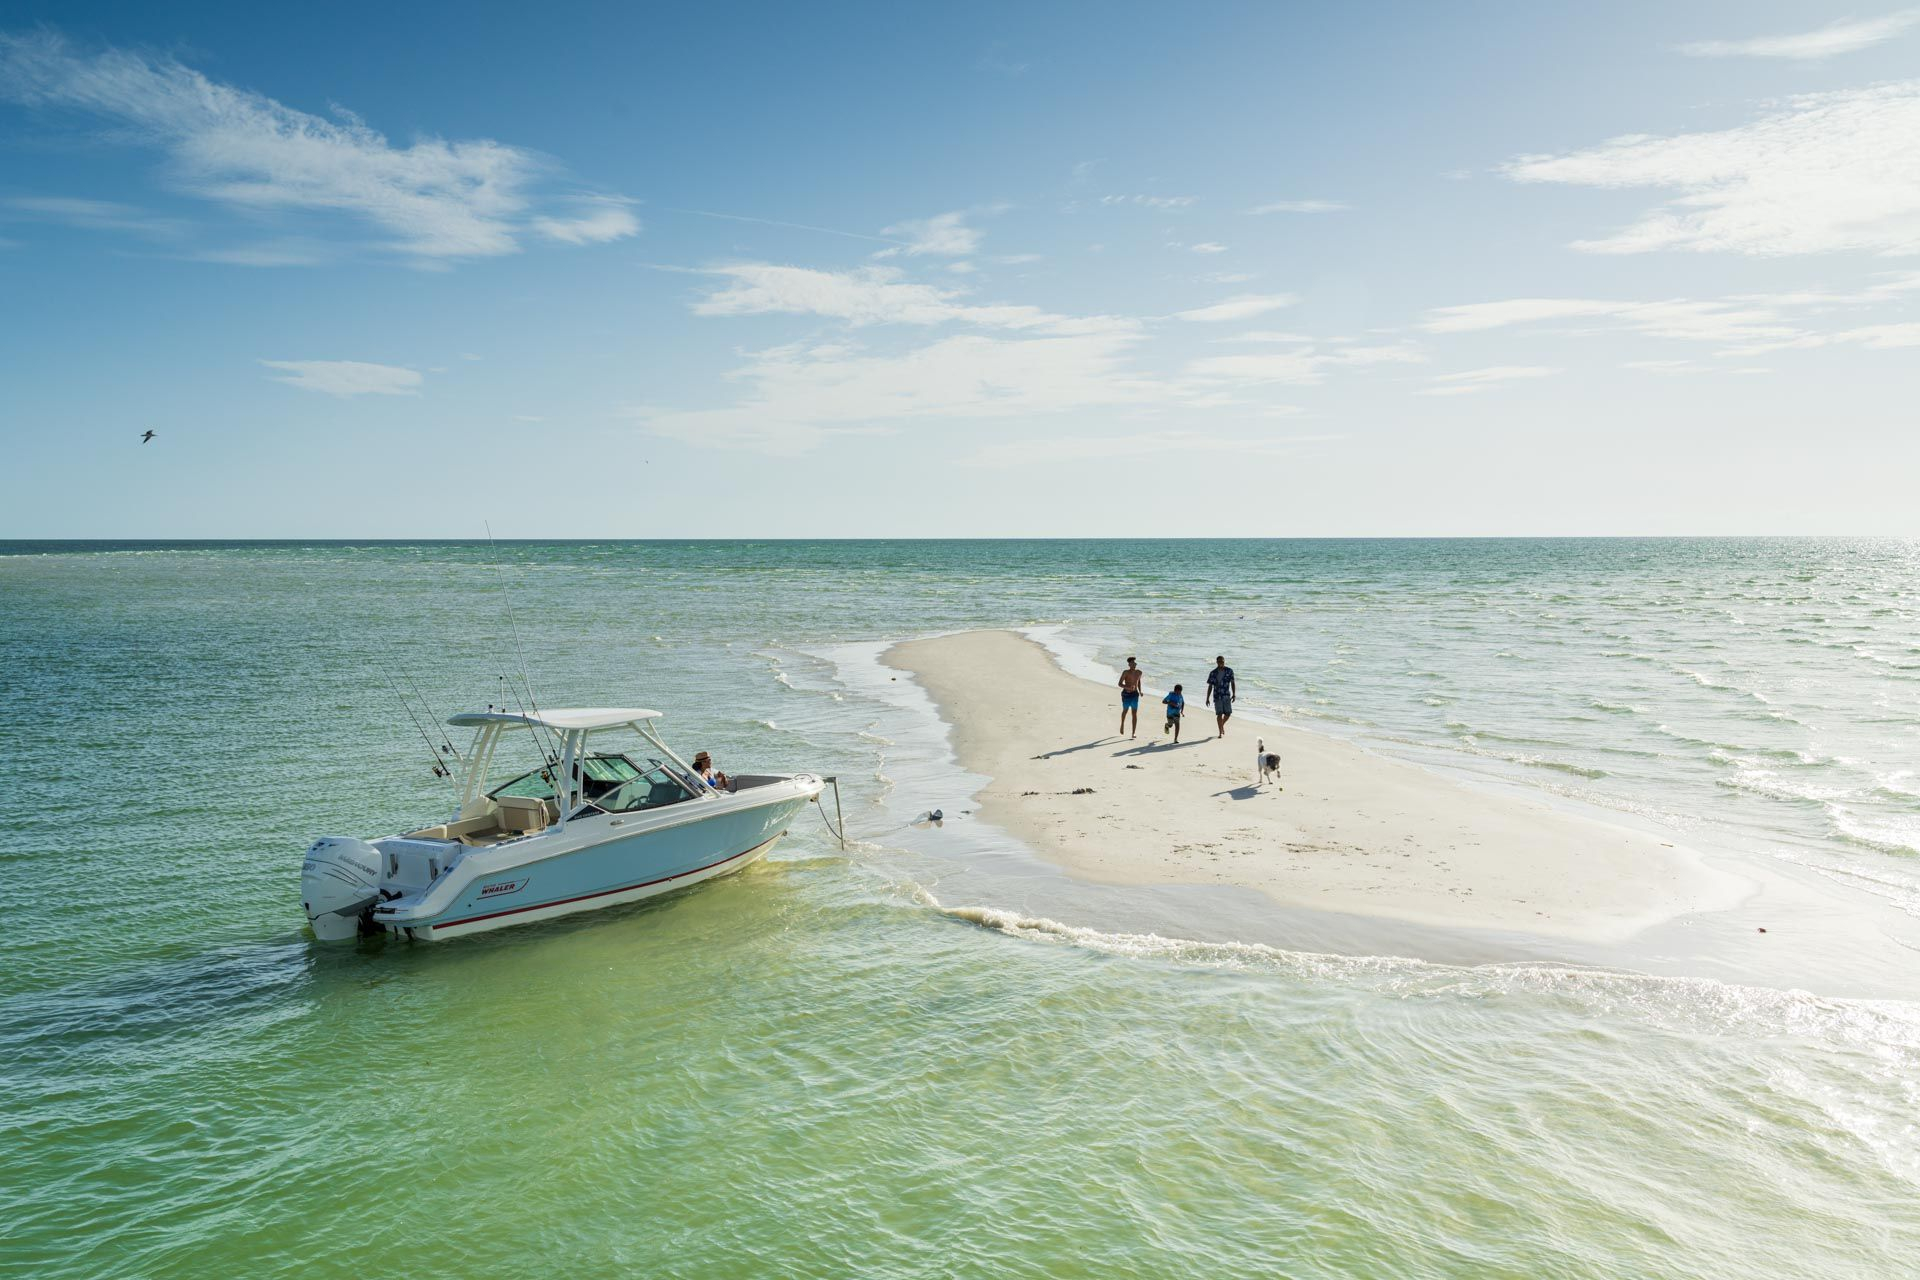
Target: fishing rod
(440,769)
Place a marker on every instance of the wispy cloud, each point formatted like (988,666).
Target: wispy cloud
(1699,321)
(1475,380)
(1153,202)
(1029,452)
(595,220)
(873,295)
(1831,172)
(1301,206)
(346,377)
(945,235)
(1243,307)
(802,395)
(997,60)
(1268,335)
(92,215)
(1845,36)
(1207,246)
(280,253)
(434,199)
(1303,366)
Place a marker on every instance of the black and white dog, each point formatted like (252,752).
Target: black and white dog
(1266,763)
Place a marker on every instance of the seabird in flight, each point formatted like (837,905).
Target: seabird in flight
(147,437)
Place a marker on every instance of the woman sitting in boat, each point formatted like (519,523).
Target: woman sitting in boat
(704,771)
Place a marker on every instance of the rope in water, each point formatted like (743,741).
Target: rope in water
(934,816)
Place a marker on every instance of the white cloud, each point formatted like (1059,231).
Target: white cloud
(1153,202)
(1033,451)
(1742,324)
(801,395)
(1017,259)
(1460,384)
(1301,206)
(598,220)
(1207,246)
(1830,172)
(1845,36)
(437,200)
(1883,336)
(92,215)
(1701,321)
(1267,335)
(872,295)
(346,377)
(1224,277)
(1304,366)
(1243,307)
(288,253)
(946,235)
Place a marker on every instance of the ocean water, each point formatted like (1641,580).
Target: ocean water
(930,1055)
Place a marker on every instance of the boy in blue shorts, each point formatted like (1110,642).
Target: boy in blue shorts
(1176,703)
(1130,696)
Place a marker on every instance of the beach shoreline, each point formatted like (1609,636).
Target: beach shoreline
(1356,853)
(1342,830)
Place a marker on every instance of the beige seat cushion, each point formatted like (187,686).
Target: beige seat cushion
(455,830)
(522,814)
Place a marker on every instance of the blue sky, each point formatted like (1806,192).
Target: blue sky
(979,270)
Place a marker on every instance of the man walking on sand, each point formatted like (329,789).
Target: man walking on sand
(1130,696)
(1221,691)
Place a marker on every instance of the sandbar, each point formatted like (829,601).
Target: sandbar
(1343,829)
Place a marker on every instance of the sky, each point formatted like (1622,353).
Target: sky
(977,270)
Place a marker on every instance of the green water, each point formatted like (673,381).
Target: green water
(928,1057)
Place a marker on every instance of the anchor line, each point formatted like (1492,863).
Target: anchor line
(933,816)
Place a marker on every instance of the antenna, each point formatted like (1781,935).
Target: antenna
(550,748)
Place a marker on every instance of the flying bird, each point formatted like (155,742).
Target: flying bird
(146,437)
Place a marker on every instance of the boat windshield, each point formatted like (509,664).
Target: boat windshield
(599,775)
(653,786)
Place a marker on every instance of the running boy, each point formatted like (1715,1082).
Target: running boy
(1176,703)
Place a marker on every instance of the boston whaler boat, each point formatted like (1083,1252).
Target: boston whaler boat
(588,829)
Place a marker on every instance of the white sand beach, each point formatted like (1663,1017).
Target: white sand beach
(1342,830)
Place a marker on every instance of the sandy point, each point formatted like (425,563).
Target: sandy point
(1342,830)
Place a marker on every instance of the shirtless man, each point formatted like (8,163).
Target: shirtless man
(1130,696)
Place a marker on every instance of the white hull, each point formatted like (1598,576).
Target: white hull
(595,902)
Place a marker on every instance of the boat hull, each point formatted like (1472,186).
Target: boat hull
(607,873)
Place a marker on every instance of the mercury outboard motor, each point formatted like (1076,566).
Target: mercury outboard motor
(339,883)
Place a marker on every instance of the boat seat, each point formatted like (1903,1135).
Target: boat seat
(455,830)
(522,814)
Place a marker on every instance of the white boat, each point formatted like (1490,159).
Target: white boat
(586,829)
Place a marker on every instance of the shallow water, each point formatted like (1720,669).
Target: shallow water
(929,1056)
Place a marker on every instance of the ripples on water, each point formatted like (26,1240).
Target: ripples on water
(818,1068)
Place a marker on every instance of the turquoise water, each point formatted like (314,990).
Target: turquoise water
(930,1056)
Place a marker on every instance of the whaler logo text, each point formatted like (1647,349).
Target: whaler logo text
(501,888)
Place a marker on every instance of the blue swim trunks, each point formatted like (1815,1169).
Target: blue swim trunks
(1129,702)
